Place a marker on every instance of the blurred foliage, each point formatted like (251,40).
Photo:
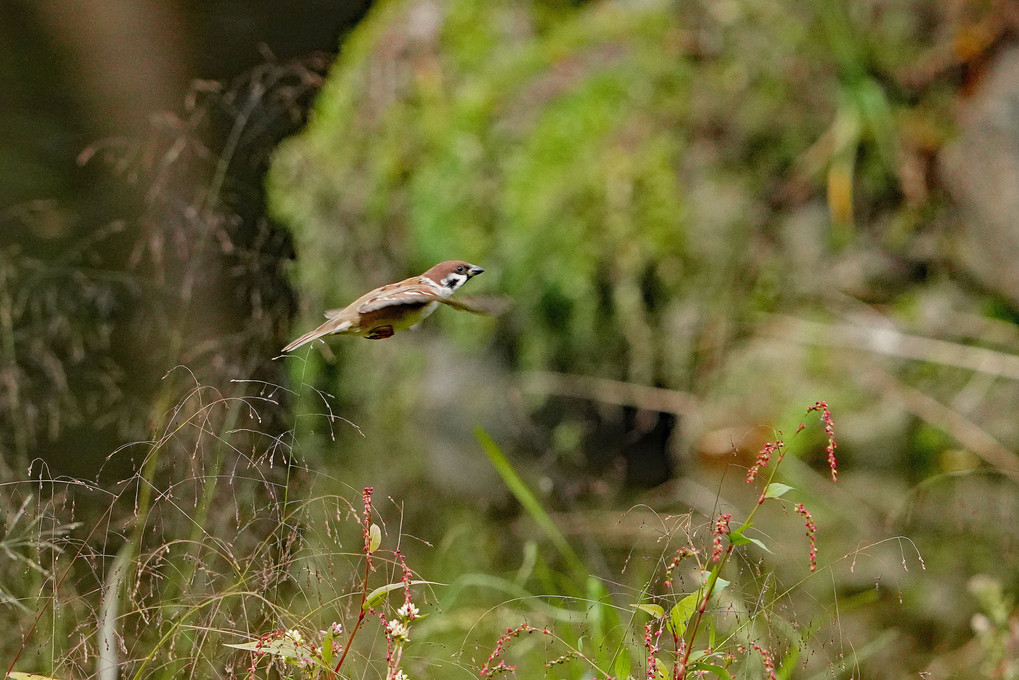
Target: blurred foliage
(711,197)
(714,197)
(622,170)
(189,271)
(643,180)
(56,323)
(551,150)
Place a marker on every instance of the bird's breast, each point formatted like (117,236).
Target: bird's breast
(400,317)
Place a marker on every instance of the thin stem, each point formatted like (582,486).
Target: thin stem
(709,587)
(360,614)
(368,550)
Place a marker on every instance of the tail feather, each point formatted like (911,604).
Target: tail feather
(325,329)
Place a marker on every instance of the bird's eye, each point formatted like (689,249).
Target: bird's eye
(460,269)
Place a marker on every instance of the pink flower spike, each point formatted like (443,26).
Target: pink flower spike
(680,554)
(491,666)
(651,639)
(808,521)
(829,429)
(763,458)
(720,529)
(366,520)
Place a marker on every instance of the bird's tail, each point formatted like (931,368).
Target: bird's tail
(325,329)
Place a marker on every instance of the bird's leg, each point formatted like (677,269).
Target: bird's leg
(380,333)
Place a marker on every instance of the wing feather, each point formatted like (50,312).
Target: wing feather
(488,306)
(409,292)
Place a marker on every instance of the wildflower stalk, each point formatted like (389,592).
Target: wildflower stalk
(368,568)
(709,586)
(360,618)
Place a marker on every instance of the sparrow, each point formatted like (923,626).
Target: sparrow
(379,313)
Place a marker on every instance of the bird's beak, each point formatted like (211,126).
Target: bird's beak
(474,270)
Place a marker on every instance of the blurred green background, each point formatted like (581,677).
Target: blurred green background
(707,216)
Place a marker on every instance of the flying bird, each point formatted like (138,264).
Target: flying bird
(379,313)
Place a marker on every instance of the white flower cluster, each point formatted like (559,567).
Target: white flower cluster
(398,630)
(334,628)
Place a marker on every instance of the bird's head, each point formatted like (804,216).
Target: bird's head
(452,274)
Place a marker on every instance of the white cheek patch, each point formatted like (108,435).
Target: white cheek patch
(454,281)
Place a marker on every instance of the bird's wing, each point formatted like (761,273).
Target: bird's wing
(409,292)
(489,305)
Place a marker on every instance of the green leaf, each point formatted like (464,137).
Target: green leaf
(737,538)
(282,647)
(656,611)
(661,670)
(528,500)
(327,648)
(681,613)
(720,583)
(374,538)
(776,490)
(789,664)
(711,668)
(622,665)
(759,544)
(375,596)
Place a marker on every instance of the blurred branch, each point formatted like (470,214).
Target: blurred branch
(611,392)
(965,431)
(891,342)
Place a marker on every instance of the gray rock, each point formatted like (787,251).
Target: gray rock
(981,171)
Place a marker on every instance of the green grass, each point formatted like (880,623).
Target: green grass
(211,562)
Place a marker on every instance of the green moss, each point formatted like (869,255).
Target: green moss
(615,168)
